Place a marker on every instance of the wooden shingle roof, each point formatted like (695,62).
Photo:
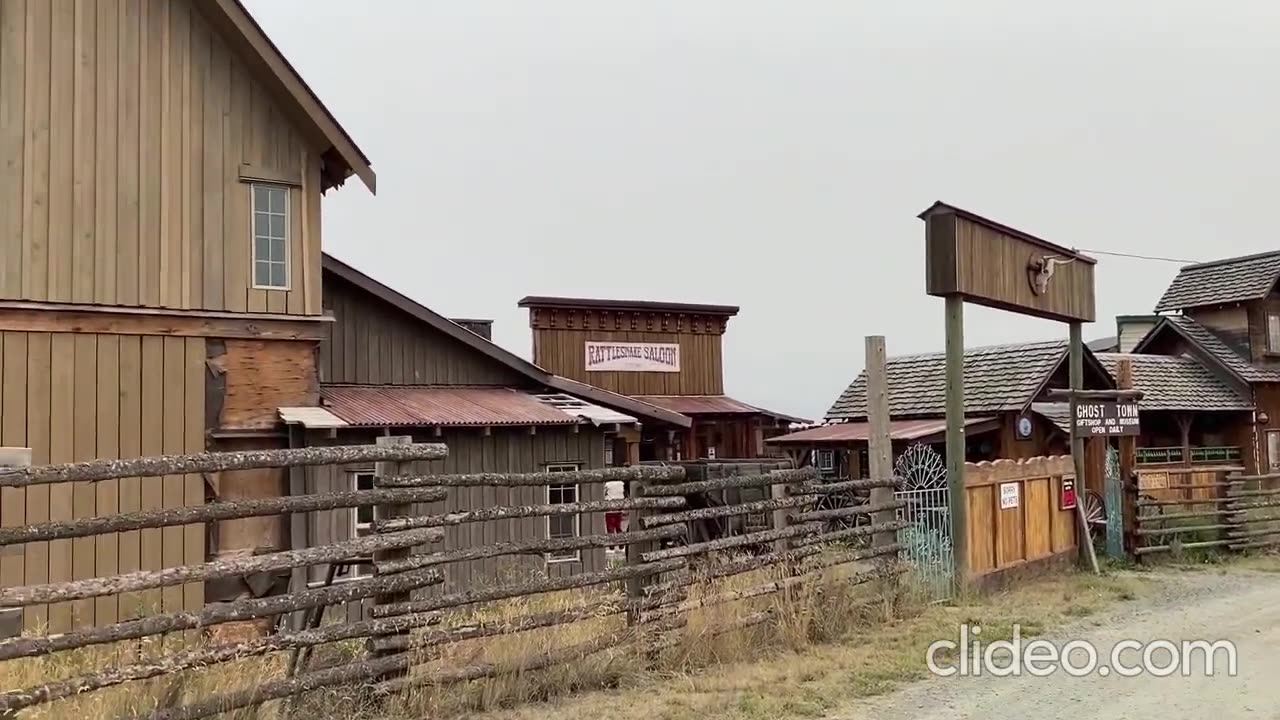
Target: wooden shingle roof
(1238,279)
(996,379)
(1210,345)
(1176,382)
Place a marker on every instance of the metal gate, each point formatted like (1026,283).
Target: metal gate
(922,484)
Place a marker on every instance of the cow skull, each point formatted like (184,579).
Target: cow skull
(1040,269)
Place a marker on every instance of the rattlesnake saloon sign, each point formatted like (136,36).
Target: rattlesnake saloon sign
(633,357)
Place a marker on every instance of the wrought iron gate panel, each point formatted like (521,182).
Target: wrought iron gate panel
(922,483)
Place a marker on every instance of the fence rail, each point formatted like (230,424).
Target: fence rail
(1205,508)
(686,532)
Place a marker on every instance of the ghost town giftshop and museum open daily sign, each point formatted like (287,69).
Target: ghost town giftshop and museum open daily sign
(633,357)
(1106,418)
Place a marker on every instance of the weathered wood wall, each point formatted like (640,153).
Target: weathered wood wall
(470,451)
(255,377)
(560,337)
(1035,530)
(72,397)
(123,128)
(989,266)
(371,342)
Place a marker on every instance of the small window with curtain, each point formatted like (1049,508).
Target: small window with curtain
(270,236)
(567,525)
(1273,333)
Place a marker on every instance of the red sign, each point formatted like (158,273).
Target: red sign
(1067,501)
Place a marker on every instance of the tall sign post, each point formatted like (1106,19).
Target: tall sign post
(969,258)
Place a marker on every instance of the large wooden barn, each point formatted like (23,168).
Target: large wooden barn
(161,174)
(665,354)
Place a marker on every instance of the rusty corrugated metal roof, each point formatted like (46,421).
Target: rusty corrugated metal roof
(859,431)
(701,404)
(712,405)
(384,405)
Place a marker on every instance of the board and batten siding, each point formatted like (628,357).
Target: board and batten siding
(124,128)
(470,451)
(371,342)
(72,397)
(563,352)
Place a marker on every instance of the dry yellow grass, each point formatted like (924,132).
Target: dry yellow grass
(823,641)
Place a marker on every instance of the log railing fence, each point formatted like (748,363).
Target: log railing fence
(684,533)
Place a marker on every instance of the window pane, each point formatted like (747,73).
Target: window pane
(1273,333)
(562,526)
(277,199)
(364,481)
(277,226)
(261,248)
(278,278)
(260,200)
(261,272)
(364,515)
(277,250)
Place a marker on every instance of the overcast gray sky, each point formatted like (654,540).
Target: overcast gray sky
(774,155)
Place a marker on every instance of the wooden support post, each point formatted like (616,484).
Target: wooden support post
(1127,482)
(635,556)
(879,443)
(1185,421)
(384,512)
(781,518)
(955,438)
(1076,368)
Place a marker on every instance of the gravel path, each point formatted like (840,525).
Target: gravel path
(1240,606)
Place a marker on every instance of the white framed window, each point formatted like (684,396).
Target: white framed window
(826,460)
(361,520)
(270,218)
(563,526)
(1273,333)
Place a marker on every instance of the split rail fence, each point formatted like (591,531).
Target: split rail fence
(1205,507)
(410,619)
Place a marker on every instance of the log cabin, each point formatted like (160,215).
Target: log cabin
(662,353)
(162,168)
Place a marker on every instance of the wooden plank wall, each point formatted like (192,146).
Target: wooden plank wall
(989,266)
(504,450)
(72,397)
(371,342)
(99,101)
(563,352)
(1036,529)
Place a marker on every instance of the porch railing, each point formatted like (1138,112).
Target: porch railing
(1211,454)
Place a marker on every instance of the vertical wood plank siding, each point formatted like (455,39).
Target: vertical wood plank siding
(73,397)
(504,450)
(371,342)
(123,128)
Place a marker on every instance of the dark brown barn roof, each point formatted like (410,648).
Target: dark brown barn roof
(1211,346)
(489,349)
(569,303)
(383,406)
(996,379)
(1231,280)
(1176,382)
(713,405)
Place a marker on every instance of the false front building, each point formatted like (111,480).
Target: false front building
(665,354)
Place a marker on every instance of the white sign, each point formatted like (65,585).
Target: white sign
(633,357)
(1008,495)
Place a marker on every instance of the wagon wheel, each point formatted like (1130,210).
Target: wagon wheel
(832,501)
(1095,513)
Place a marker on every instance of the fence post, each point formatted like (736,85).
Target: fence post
(1120,540)
(879,444)
(635,552)
(383,470)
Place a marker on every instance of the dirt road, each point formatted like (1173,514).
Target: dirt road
(1240,606)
